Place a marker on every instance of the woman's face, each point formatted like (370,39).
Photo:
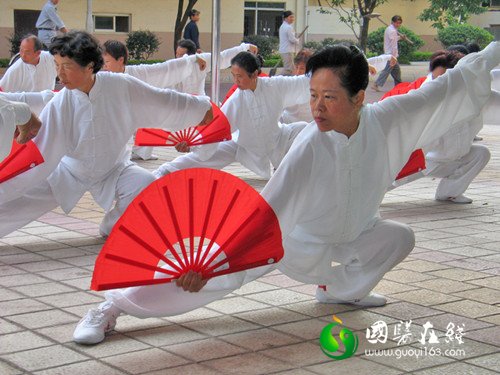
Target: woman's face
(331,105)
(242,79)
(72,75)
(113,65)
(299,69)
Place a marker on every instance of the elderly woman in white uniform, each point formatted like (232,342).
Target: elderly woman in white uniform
(253,112)
(328,188)
(84,135)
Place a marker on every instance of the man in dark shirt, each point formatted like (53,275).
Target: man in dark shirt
(191,31)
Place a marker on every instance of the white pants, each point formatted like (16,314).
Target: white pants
(384,246)
(457,175)
(168,299)
(143,152)
(222,157)
(375,252)
(226,153)
(37,201)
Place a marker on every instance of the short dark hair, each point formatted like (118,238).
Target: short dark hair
(459,48)
(303,56)
(79,46)
(396,18)
(193,12)
(187,44)
(248,62)
(472,47)
(348,62)
(445,59)
(37,43)
(287,13)
(116,49)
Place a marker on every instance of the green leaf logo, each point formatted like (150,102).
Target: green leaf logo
(330,345)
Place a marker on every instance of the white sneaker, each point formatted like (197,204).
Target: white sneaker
(460,199)
(94,325)
(371,300)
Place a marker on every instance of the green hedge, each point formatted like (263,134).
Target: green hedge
(464,33)
(267,45)
(138,62)
(4,63)
(420,56)
(271,63)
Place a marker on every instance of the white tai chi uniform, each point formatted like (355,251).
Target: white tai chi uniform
(259,139)
(28,77)
(195,83)
(453,158)
(328,190)
(11,114)
(35,100)
(83,141)
(161,75)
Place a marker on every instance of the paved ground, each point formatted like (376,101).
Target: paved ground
(273,325)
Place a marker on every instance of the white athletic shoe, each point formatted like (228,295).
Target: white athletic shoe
(94,325)
(371,300)
(460,199)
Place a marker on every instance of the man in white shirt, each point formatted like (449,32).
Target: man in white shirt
(391,38)
(49,22)
(34,71)
(288,42)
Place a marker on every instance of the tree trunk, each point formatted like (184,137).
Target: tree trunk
(181,19)
(363,34)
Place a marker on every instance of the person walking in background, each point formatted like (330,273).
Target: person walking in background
(191,30)
(49,22)
(391,38)
(288,42)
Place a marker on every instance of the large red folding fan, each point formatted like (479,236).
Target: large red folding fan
(218,130)
(196,219)
(21,158)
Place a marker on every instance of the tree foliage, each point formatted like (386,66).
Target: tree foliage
(142,43)
(182,18)
(465,33)
(448,12)
(376,43)
(353,13)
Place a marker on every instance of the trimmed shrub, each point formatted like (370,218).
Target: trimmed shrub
(138,62)
(267,45)
(375,43)
(15,43)
(317,45)
(420,56)
(4,63)
(464,33)
(141,44)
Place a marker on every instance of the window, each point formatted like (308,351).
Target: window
(263,17)
(112,23)
(491,4)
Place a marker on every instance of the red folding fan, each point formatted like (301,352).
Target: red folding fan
(21,158)
(218,130)
(196,219)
